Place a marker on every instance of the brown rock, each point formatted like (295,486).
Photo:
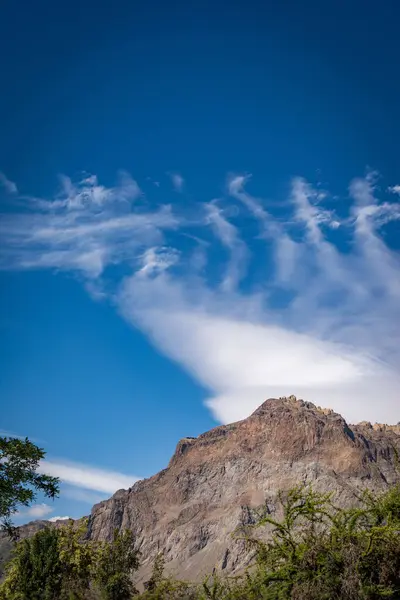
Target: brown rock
(216,482)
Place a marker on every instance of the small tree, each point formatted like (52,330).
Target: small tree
(157,573)
(35,571)
(162,587)
(19,480)
(115,564)
(77,558)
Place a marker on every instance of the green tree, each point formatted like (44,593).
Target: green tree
(161,587)
(35,571)
(157,574)
(115,564)
(77,557)
(19,480)
(54,564)
(59,564)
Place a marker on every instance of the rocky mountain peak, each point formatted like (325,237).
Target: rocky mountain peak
(215,482)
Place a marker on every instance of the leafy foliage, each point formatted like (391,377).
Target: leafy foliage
(319,551)
(35,572)
(19,480)
(77,558)
(157,574)
(316,551)
(160,587)
(58,564)
(115,564)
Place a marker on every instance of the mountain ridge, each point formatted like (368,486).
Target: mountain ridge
(215,482)
(218,481)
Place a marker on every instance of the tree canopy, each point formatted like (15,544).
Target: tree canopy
(19,480)
(60,564)
(315,551)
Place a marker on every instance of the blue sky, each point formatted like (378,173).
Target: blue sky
(199,210)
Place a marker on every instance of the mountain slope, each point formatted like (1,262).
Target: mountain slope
(216,482)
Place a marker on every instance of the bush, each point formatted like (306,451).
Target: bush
(320,551)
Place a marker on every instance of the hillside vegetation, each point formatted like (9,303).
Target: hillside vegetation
(316,551)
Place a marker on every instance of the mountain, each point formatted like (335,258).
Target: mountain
(219,481)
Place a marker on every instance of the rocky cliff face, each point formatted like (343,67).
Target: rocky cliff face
(216,482)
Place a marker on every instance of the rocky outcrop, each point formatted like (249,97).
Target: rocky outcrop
(220,480)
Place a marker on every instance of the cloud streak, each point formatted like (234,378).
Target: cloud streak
(322,321)
(85,228)
(82,495)
(9,186)
(87,477)
(37,511)
(177,181)
(230,239)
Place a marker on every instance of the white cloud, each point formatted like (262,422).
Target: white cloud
(85,228)
(38,511)
(287,251)
(155,260)
(87,477)
(82,495)
(333,339)
(379,263)
(229,236)
(54,519)
(394,189)
(177,181)
(288,254)
(9,186)
(309,211)
(242,360)
(236,188)
(342,353)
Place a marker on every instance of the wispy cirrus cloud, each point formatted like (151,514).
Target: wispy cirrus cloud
(85,228)
(322,322)
(11,434)
(230,239)
(78,494)
(79,481)
(177,181)
(9,186)
(394,189)
(37,511)
(332,343)
(86,476)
